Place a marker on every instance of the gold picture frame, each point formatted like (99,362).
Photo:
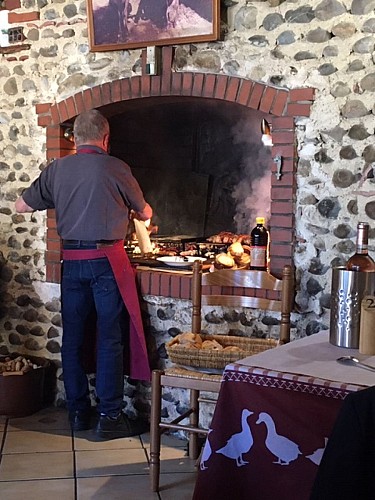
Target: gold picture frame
(151,23)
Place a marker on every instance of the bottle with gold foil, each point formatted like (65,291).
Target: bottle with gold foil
(361,260)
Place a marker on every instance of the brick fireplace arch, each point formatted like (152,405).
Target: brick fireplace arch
(281,104)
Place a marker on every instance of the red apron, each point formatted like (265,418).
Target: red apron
(124,275)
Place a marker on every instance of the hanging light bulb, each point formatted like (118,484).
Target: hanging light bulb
(266,133)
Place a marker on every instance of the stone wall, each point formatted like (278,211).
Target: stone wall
(327,45)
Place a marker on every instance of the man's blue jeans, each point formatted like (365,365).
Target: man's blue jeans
(88,284)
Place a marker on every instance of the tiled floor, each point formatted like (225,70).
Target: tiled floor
(41,458)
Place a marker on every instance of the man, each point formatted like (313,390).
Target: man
(93,194)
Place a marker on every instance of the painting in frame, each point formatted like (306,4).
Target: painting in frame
(127,24)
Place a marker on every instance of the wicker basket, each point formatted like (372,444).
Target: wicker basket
(218,359)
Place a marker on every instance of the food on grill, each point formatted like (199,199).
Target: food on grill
(228,237)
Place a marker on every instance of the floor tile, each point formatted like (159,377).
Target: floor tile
(44,420)
(36,441)
(115,462)
(173,486)
(166,440)
(175,460)
(37,489)
(86,441)
(36,466)
(116,488)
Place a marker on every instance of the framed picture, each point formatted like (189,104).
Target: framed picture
(128,24)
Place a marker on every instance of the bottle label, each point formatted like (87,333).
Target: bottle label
(258,256)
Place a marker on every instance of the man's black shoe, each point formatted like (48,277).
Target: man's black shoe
(119,427)
(80,420)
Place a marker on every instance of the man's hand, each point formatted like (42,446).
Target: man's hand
(144,215)
(22,207)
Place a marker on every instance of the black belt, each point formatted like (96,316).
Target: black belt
(92,243)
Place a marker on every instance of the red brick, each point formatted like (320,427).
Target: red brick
(166,83)
(282,122)
(197,84)
(53,256)
(71,107)
(155,85)
(44,121)
(175,286)
(53,245)
(281,235)
(256,96)
(267,99)
(187,84)
(221,85)
(115,91)
(135,86)
(281,250)
(306,94)
(278,106)
(244,92)
(125,89)
(165,288)
(61,106)
(51,154)
(167,58)
(232,89)
(87,99)
(283,137)
(155,283)
(286,150)
(298,109)
(185,287)
(51,222)
(96,97)
(282,207)
(282,193)
(43,108)
(55,114)
(12,4)
(78,99)
(209,86)
(105,91)
(53,274)
(260,293)
(277,264)
(286,179)
(144,280)
(176,84)
(145,85)
(14,18)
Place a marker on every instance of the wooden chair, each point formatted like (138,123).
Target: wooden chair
(270,294)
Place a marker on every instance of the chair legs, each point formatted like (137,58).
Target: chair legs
(155,433)
(194,420)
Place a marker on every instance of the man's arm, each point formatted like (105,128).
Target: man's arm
(21,206)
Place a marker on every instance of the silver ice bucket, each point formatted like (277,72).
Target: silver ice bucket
(347,291)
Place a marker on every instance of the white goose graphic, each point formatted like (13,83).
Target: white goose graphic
(207,450)
(317,455)
(239,443)
(283,448)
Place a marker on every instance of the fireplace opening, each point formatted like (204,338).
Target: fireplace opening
(200,162)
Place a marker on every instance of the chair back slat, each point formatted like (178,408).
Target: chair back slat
(251,290)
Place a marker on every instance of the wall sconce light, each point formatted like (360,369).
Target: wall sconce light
(68,134)
(278,160)
(266,133)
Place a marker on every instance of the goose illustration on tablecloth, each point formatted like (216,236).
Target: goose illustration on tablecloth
(206,453)
(316,457)
(282,447)
(239,443)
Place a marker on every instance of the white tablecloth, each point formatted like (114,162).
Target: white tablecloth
(314,357)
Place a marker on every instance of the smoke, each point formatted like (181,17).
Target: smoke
(252,194)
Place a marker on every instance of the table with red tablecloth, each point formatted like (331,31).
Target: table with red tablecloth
(273,417)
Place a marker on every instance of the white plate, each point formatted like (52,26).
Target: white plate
(179,261)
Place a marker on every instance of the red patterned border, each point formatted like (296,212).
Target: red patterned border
(290,382)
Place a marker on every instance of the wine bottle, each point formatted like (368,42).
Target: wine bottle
(259,246)
(361,260)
